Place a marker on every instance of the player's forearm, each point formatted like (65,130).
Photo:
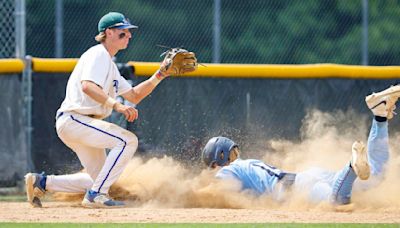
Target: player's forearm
(139,92)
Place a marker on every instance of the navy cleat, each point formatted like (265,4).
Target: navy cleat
(94,199)
(35,185)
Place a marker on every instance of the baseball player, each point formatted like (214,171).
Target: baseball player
(319,184)
(90,97)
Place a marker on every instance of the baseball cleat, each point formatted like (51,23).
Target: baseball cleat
(383,103)
(344,207)
(100,200)
(34,191)
(359,160)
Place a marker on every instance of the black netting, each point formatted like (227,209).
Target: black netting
(13,153)
(183,113)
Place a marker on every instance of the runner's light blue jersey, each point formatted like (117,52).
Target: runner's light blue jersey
(253,174)
(319,184)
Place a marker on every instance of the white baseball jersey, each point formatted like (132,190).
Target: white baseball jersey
(80,127)
(97,66)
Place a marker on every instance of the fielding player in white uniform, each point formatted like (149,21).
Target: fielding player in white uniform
(90,97)
(320,184)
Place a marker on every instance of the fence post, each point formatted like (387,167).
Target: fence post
(20,29)
(364,48)
(217,32)
(59,28)
(27,112)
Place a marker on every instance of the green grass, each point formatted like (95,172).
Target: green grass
(59,225)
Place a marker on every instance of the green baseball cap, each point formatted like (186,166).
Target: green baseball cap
(115,20)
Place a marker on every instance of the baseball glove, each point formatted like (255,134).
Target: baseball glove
(178,61)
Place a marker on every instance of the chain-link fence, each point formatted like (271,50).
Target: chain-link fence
(256,31)
(13,152)
(180,115)
(7,29)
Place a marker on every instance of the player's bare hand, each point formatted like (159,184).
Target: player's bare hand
(130,113)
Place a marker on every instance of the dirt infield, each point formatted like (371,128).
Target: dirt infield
(163,190)
(72,212)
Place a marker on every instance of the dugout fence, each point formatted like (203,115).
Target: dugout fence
(13,149)
(250,103)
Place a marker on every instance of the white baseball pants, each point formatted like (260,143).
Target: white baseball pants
(88,138)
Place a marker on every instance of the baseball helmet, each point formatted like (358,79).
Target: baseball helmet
(217,151)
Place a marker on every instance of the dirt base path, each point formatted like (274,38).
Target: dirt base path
(74,213)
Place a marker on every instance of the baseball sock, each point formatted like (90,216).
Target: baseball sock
(43,182)
(380,118)
(343,185)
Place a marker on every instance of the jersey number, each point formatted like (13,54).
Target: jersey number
(115,85)
(272,171)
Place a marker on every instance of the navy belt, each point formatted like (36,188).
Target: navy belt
(287,179)
(62,113)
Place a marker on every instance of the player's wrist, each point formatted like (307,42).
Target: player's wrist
(155,79)
(110,102)
(161,75)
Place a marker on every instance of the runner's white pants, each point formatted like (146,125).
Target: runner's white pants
(88,138)
(319,183)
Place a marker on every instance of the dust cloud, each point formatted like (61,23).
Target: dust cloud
(326,140)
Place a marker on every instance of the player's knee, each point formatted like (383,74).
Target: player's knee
(132,140)
(131,144)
